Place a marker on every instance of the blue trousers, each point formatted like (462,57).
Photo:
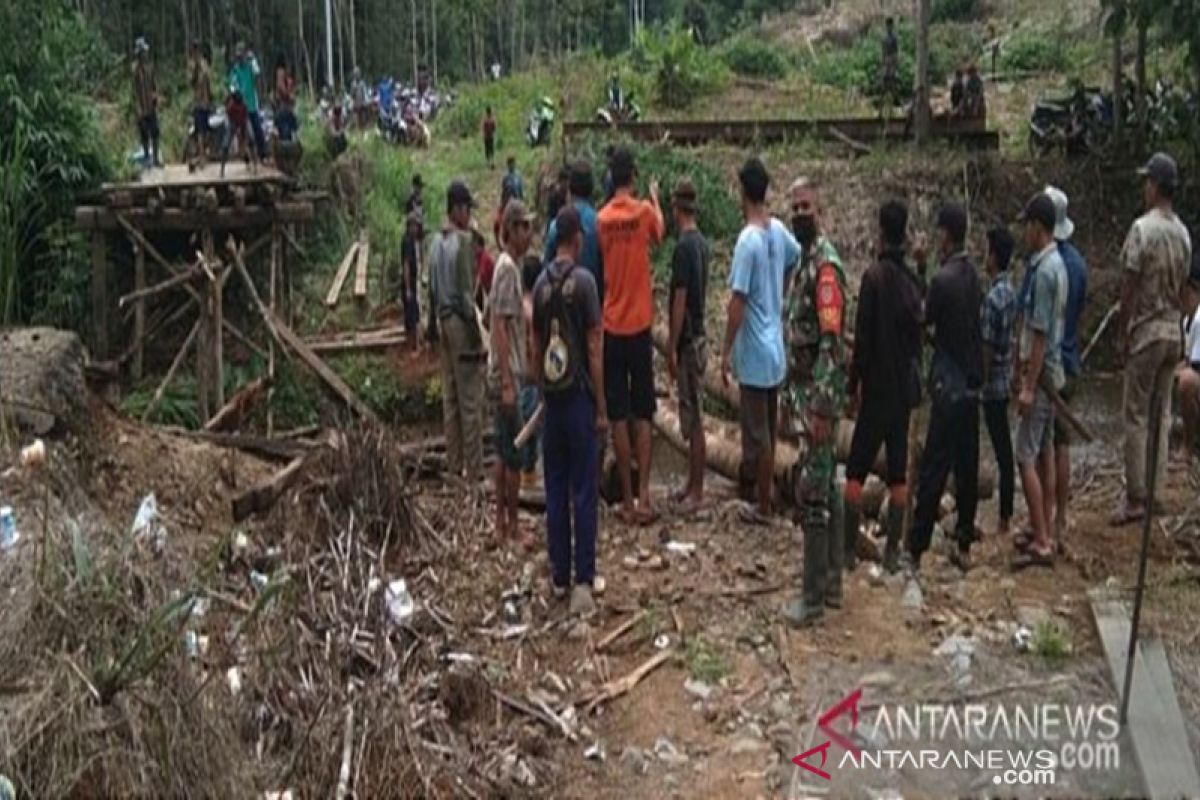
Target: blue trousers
(572,488)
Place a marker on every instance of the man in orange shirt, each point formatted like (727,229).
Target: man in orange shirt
(627,228)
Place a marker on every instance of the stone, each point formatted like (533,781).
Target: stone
(41,372)
(913,598)
(666,752)
(633,759)
(699,689)
(881,679)
(747,744)
(1031,616)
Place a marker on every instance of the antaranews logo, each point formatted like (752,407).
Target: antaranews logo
(1016,745)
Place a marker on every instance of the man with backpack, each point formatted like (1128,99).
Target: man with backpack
(568,363)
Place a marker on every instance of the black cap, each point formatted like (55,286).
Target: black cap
(459,195)
(1040,209)
(1161,169)
(567,224)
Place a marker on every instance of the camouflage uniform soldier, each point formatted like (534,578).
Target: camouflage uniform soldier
(816,395)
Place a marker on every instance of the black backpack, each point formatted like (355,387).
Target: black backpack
(564,356)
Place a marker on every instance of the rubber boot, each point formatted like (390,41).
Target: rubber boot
(852,520)
(837,552)
(811,605)
(891,551)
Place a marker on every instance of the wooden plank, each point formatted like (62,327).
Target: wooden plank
(1155,723)
(339,279)
(93,217)
(262,446)
(178,176)
(139,312)
(352,346)
(360,271)
(100,296)
(288,339)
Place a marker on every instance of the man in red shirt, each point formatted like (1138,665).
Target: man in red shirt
(489,138)
(485,268)
(628,228)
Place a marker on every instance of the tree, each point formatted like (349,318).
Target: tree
(921,110)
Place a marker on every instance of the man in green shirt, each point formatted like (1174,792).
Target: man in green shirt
(243,77)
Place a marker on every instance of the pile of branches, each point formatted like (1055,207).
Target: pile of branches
(364,694)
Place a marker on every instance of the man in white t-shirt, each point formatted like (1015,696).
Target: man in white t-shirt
(1188,372)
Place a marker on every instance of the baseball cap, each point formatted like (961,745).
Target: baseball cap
(684,197)
(1161,169)
(459,194)
(1063,226)
(516,212)
(1040,209)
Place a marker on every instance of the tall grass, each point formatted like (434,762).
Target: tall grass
(19,214)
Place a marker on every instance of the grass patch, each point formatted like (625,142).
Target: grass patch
(704,661)
(754,58)
(1051,641)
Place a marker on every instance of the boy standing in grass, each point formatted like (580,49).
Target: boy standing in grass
(489,138)
(508,365)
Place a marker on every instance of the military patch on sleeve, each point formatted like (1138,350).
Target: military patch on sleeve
(830,301)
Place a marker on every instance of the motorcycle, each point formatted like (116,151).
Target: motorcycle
(628,111)
(540,125)
(1078,125)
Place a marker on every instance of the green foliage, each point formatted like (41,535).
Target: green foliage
(954,10)
(754,58)
(1031,50)
(682,69)
(374,379)
(704,661)
(50,145)
(1050,641)
(860,68)
(178,406)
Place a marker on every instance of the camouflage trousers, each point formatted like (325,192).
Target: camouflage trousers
(819,512)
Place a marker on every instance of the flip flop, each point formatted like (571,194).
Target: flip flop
(1032,558)
(1022,541)
(750,515)
(645,516)
(626,516)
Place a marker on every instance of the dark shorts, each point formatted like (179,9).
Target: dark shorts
(1062,431)
(489,146)
(693,358)
(507,428)
(200,117)
(148,126)
(629,376)
(877,427)
(759,418)
(529,399)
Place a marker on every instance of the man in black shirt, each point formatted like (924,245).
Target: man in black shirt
(956,378)
(687,352)
(884,373)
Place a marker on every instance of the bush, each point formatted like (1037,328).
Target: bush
(753,58)
(860,68)
(1033,51)
(954,10)
(681,68)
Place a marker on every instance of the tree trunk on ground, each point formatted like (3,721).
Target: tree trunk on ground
(921,110)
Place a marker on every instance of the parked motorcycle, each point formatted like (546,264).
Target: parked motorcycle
(628,111)
(1077,125)
(540,125)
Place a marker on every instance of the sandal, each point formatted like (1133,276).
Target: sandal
(645,517)
(750,515)
(1032,558)
(1022,541)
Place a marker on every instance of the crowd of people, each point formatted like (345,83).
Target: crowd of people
(559,343)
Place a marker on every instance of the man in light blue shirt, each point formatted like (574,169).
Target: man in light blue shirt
(753,349)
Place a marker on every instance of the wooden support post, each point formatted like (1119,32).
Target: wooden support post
(276,255)
(139,311)
(100,295)
(217,288)
(204,343)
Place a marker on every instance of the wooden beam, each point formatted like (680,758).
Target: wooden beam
(139,312)
(99,296)
(190,220)
(261,446)
(166,381)
(288,340)
(170,283)
(263,496)
(360,271)
(339,279)
(1156,725)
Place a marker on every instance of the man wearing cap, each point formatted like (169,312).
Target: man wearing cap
(1039,371)
(628,228)
(145,102)
(451,286)
(1077,283)
(814,396)
(568,365)
(507,369)
(687,349)
(410,277)
(1156,258)
(955,383)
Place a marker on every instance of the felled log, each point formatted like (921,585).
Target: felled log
(262,496)
(712,375)
(234,412)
